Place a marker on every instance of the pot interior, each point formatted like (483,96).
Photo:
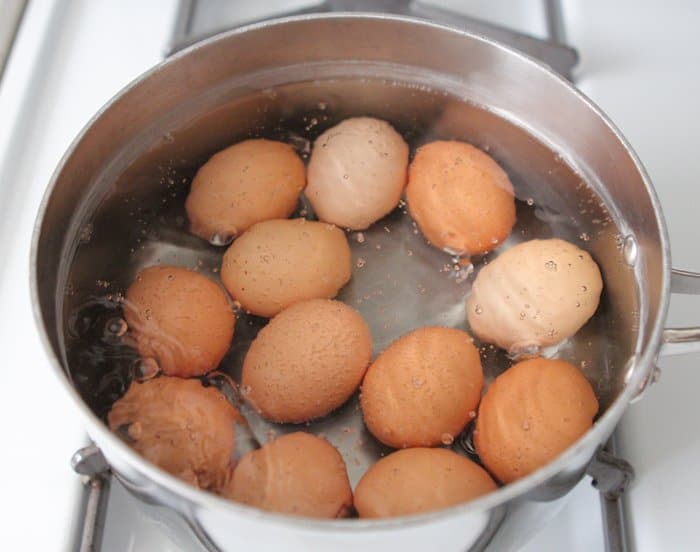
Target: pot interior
(131,215)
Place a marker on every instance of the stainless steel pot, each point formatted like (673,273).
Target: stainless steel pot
(204,97)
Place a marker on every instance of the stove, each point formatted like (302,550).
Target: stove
(638,61)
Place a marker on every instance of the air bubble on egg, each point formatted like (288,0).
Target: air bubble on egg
(221,240)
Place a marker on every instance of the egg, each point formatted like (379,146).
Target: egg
(277,263)
(180,319)
(181,426)
(357,172)
(461,199)
(307,361)
(298,474)
(423,389)
(530,414)
(249,182)
(418,480)
(533,295)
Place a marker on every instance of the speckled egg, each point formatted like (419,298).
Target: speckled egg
(277,263)
(533,295)
(248,182)
(181,426)
(460,197)
(180,319)
(530,414)
(418,480)
(297,474)
(357,172)
(307,361)
(423,389)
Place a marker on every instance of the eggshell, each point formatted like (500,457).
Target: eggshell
(423,389)
(297,474)
(307,361)
(530,414)
(277,263)
(418,480)
(533,295)
(181,426)
(461,199)
(357,172)
(249,182)
(179,318)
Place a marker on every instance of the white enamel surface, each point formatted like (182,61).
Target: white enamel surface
(641,64)
(69,59)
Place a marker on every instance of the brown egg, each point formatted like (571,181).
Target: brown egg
(357,172)
(461,199)
(533,295)
(182,427)
(530,414)
(180,319)
(307,361)
(297,474)
(423,389)
(417,480)
(277,263)
(249,182)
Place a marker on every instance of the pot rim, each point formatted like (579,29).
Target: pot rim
(644,360)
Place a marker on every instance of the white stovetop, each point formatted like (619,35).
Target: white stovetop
(640,62)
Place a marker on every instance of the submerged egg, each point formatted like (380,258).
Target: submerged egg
(180,319)
(297,474)
(249,182)
(277,263)
(357,172)
(417,480)
(530,414)
(307,361)
(422,388)
(181,426)
(533,295)
(461,199)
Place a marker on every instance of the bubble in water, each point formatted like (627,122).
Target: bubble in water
(146,369)
(345,177)
(447,439)
(86,233)
(116,326)
(322,106)
(417,381)
(359,237)
(630,250)
(584,236)
(135,430)
(522,316)
(312,123)
(478,309)
(526,426)
(584,289)
(464,272)
(168,137)
(360,262)
(454,252)
(521,351)
(551,265)
(221,239)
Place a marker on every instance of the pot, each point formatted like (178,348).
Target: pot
(536,124)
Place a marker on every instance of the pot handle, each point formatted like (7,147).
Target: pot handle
(680,341)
